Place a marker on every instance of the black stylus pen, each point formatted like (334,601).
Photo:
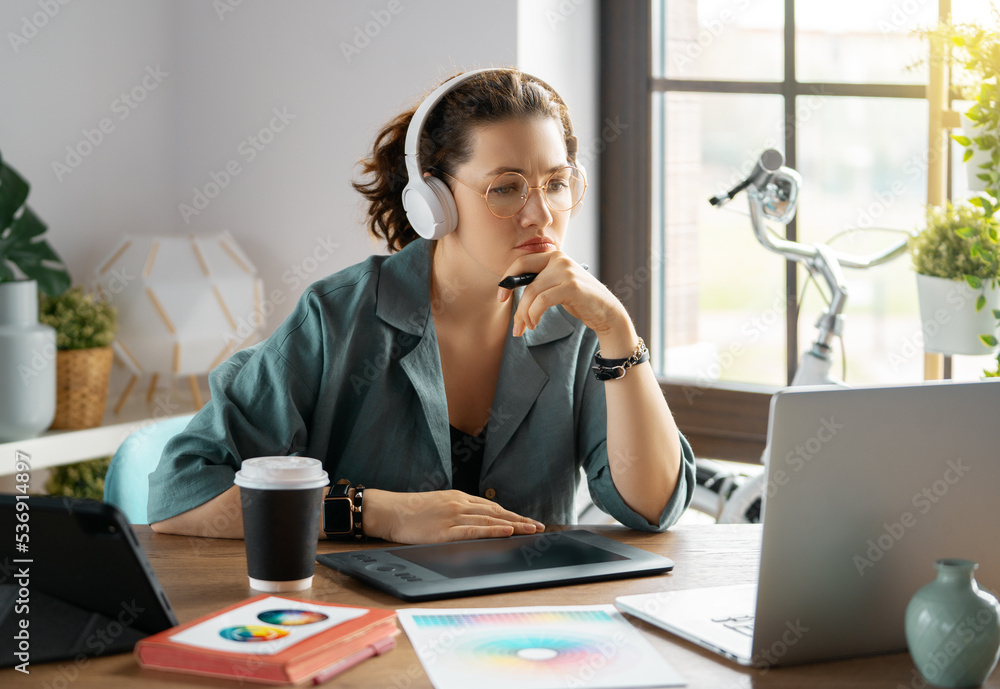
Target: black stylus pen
(512,281)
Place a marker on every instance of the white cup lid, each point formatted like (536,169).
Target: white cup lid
(282,473)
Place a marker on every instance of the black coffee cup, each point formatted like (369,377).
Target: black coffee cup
(280,498)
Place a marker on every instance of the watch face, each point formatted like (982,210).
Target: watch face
(337,515)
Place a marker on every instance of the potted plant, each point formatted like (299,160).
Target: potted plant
(85,327)
(975,50)
(957,262)
(80,480)
(27,264)
(990,340)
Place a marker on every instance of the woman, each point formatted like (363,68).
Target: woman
(465,409)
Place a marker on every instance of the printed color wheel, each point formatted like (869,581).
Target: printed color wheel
(291,618)
(252,633)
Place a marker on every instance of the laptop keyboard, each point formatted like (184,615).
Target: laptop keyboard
(740,623)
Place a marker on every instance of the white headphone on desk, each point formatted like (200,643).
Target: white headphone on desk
(428,202)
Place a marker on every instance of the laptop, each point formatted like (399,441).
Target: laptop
(74,582)
(865,489)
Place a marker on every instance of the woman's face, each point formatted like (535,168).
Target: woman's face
(534,148)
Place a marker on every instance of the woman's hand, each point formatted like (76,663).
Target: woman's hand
(561,280)
(443,515)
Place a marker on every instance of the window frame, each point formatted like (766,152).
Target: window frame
(722,420)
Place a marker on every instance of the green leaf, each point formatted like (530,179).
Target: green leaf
(980,302)
(27,226)
(13,192)
(20,242)
(973,282)
(976,201)
(967,156)
(51,280)
(963,140)
(996,314)
(36,259)
(988,340)
(33,254)
(965,232)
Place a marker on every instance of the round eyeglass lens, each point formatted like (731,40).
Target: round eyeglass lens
(564,189)
(508,193)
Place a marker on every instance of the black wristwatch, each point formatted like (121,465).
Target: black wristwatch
(338,510)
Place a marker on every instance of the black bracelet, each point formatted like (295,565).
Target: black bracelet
(613,369)
(359,496)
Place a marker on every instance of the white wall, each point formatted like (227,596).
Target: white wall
(221,77)
(557,41)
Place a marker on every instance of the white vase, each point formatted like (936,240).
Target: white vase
(27,363)
(972,169)
(952,627)
(948,316)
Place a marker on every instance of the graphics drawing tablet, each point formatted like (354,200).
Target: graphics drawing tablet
(490,565)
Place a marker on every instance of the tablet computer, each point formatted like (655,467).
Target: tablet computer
(73,581)
(466,568)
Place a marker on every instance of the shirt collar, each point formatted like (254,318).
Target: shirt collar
(404,288)
(404,297)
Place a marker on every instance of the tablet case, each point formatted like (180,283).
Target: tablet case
(90,590)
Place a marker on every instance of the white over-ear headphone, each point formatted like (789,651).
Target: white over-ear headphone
(428,202)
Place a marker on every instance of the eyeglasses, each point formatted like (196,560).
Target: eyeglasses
(508,193)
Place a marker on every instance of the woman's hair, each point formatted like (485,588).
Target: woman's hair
(447,138)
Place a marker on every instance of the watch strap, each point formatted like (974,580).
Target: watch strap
(340,489)
(356,514)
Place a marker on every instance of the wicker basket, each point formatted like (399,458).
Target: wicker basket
(82,387)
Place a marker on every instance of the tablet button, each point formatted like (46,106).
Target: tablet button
(384,567)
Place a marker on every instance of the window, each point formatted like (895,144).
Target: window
(839,90)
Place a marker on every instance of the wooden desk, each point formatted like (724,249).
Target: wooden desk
(202,575)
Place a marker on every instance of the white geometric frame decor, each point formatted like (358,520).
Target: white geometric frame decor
(185,304)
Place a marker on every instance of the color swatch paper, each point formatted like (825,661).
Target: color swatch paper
(590,646)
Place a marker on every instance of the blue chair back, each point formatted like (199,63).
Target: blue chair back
(127,484)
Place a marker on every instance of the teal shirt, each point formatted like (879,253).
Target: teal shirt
(353,378)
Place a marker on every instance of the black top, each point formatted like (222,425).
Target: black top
(466,460)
